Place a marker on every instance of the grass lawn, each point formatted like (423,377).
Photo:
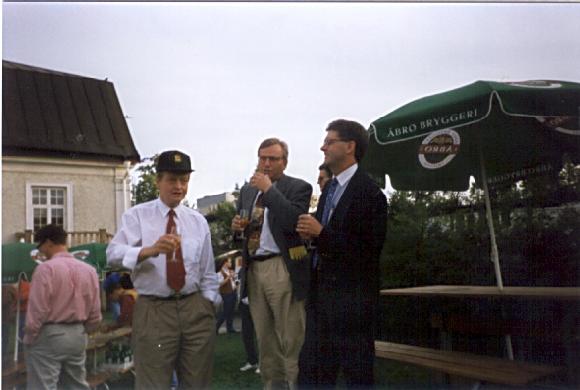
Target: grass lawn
(230,356)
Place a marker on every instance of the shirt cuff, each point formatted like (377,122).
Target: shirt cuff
(211,296)
(131,257)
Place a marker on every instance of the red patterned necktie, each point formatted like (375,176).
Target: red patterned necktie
(175,267)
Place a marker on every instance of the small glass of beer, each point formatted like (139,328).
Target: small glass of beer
(244,220)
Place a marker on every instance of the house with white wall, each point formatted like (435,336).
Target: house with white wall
(66,153)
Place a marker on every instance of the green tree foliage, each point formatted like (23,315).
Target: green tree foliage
(220,221)
(145,189)
(443,238)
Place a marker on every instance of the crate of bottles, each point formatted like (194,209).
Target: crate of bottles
(118,357)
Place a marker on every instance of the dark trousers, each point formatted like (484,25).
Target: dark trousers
(336,341)
(248,334)
(227,313)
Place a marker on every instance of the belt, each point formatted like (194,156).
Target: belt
(63,323)
(174,297)
(264,257)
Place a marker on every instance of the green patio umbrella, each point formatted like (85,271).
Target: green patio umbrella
(18,258)
(93,254)
(18,263)
(496,132)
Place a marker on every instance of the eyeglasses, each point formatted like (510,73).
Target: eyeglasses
(328,142)
(269,158)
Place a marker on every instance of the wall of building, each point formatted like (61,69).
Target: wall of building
(209,203)
(95,188)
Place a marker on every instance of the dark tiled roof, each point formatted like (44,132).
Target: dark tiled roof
(46,113)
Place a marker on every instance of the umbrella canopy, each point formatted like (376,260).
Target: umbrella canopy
(18,258)
(496,132)
(93,254)
(506,131)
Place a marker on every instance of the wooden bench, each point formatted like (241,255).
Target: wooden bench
(467,365)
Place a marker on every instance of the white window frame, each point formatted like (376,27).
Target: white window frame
(68,210)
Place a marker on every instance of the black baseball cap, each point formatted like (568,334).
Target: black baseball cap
(174,161)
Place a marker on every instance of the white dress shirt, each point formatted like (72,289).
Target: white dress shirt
(343,179)
(141,226)
(267,242)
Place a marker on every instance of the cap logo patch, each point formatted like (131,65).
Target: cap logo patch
(177,158)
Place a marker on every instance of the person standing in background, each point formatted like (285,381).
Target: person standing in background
(227,282)
(324,176)
(64,304)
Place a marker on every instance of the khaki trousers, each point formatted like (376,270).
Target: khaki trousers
(173,335)
(57,356)
(279,320)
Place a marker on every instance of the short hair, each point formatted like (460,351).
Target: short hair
(51,232)
(325,168)
(112,287)
(275,141)
(125,282)
(351,131)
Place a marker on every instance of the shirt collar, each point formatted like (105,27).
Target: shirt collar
(345,176)
(164,209)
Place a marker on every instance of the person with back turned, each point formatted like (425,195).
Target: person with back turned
(64,305)
(348,231)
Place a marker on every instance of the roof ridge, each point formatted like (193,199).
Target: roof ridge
(31,68)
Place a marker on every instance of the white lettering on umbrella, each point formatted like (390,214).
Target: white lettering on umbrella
(445,120)
(543,84)
(564,124)
(436,144)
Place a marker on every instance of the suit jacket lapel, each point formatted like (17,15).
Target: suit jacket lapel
(249,199)
(281,185)
(346,198)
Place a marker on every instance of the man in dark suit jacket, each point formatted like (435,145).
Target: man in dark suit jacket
(348,230)
(278,273)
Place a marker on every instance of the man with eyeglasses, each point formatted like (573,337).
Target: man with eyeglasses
(276,261)
(63,306)
(348,231)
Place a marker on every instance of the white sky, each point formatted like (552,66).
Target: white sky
(214,80)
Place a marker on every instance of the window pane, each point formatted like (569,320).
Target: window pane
(38,196)
(40,218)
(57,196)
(42,199)
(57,217)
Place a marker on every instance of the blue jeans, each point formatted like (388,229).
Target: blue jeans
(227,313)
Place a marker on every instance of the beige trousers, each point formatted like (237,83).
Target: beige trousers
(279,320)
(173,335)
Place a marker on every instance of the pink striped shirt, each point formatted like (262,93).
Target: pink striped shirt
(63,289)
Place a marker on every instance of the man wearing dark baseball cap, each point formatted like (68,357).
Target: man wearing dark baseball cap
(167,246)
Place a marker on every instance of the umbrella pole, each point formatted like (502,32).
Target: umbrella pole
(494,251)
(489,216)
(21,276)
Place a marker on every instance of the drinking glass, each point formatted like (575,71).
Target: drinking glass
(244,220)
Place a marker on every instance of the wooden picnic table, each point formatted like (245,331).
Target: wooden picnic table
(483,368)
(555,293)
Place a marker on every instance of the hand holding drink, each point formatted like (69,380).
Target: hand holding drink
(176,242)
(244,221)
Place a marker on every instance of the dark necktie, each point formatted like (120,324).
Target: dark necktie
(175,268)
(326,214)
(328,203)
